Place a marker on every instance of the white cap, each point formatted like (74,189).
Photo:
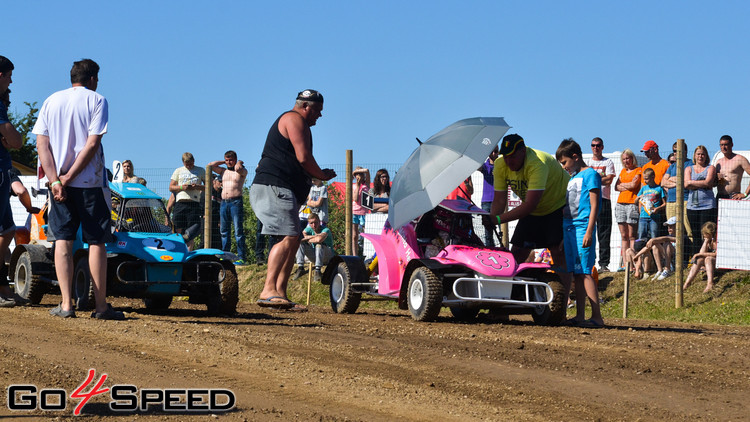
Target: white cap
(671,222)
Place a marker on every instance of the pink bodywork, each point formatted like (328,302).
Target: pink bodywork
(395,249)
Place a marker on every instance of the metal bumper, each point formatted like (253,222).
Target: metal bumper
(201,272)
(489,290)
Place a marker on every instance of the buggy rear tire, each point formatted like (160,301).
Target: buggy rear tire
(157,303)
(343,298)
(83,286)
(424,295)
(554,313)
(27,284)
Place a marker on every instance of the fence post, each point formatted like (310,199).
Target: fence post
(348,202)
(680,232)
(207,208)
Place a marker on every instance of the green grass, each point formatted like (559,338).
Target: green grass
(727,304)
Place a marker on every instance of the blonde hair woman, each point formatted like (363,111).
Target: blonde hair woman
(626,210)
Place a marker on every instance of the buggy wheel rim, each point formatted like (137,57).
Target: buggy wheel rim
(20,278)
(416,294)
(337,288)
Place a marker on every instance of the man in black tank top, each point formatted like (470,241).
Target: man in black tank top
(281,184)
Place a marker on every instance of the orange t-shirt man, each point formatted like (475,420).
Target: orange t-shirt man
(659,168)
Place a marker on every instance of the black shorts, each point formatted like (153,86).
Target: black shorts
(539,231)
(84,207)
(187,214)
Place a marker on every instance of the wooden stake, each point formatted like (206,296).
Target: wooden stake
(626,294)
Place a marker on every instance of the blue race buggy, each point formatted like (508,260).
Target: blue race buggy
(146,259)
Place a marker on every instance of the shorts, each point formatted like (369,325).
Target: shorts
(578,259)
(6,213)
(277,208)
(358,220)
(626,213)
(187,214)
(539,231)
(84,207)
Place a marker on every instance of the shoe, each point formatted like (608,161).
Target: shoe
(7,302)
(110,313)
(316,275)
(645,277)
(58,311)
(240,262)
(301,270)
(590,323)
(656,275)
(664,274)
(603,269)
(21,301)
(621,269)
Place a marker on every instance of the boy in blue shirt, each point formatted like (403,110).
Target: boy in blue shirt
(579,224)
(651,199)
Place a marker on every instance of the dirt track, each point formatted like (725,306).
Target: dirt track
(382,366)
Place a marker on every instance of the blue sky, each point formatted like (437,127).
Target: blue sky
(205,77)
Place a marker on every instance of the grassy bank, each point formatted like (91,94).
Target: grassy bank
(727,304)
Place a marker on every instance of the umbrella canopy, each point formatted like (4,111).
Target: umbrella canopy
(440,164)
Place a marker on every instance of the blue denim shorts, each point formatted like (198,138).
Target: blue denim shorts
(358,220)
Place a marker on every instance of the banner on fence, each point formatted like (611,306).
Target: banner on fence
(732,235)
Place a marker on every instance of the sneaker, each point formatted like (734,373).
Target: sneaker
(301,270)
(621,269)
(664,274)
(603,269)
(316,275)
(240,262)
(110,313)
(58,311)
(7,302)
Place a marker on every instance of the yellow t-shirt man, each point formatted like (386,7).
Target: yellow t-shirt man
(540,171)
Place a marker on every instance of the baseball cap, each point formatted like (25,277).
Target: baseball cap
(648,145)
(310,95)
(671,222)
(509,144)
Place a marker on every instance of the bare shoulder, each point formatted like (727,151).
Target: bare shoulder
(291,121)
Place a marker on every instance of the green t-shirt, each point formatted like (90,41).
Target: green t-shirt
(540,171)
(328,241)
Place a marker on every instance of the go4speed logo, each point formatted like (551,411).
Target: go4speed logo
(124,397)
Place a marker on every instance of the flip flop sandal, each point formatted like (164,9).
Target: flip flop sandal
(277,302)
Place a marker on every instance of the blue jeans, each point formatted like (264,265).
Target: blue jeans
(232,212)
(648,227)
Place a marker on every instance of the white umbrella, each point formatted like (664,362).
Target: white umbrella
(440,164)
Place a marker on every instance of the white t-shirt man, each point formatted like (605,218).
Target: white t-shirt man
(604,167)
(68,118)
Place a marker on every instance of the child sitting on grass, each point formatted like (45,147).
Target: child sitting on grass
(706,258)
(663,249)
(640,259)
(579,223)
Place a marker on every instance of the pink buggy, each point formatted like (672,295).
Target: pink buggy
(439,261)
